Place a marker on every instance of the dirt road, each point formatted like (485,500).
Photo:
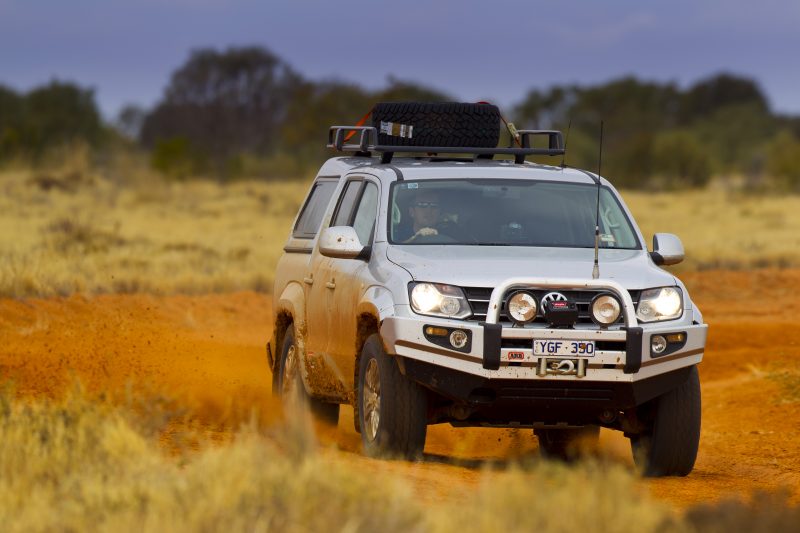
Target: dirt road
(208,351)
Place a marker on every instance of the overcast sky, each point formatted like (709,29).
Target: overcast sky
(491,50)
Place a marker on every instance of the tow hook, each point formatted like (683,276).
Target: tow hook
(561,367)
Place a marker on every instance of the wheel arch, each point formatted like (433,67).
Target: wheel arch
(290,310)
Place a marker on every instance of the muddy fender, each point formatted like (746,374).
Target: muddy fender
(376,301)
(292,302)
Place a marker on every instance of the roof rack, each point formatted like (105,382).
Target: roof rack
(368,139)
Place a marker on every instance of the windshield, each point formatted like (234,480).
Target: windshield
(493,212)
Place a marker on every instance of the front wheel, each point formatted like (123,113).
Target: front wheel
(668,447)
(392,410)
(289,383)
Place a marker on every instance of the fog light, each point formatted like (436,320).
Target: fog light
(458,339)
(658,344)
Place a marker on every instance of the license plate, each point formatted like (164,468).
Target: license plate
(563,348)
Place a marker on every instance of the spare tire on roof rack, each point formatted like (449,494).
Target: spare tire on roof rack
(442,124)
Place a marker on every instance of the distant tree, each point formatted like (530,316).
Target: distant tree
(633,112)
(680,160)
(130,120)
(316,107)
(540,110)
(176,158)
(707,96)
(225,103)
(628,105)
(11,120)
(59,113)
(406,91)
(735,134)
(783,159)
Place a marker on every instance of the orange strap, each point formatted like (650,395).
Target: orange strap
(513,136)
(359,123)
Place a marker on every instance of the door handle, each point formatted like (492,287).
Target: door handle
(331,284)
(308,281)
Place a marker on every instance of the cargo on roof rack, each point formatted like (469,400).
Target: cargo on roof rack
(368,143)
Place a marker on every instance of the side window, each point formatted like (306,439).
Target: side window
(346,204)
(311,217)
(364,220)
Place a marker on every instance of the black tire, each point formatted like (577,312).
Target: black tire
(401,406)
(295,391)
(446,124)
(567,444)
(669,446)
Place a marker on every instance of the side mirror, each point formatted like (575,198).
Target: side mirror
(667,249)
(340,242)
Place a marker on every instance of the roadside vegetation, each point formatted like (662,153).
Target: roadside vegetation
(86,464)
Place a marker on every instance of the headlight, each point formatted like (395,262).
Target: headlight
(665,303)
(521,307)
(605,309)
(436,299)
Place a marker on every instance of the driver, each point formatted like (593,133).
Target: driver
(424,212)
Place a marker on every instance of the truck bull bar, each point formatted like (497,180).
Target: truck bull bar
(493,330)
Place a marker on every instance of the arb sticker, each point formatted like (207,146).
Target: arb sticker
(397,130)
(516,356)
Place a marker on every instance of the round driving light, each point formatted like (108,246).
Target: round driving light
(449,306)
(458,339)
(522,306)
(605,309)
(658,344)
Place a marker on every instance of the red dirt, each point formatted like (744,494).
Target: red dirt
(208,351)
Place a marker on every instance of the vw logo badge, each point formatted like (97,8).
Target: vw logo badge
(552,297)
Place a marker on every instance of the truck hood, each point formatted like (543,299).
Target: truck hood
(488,266)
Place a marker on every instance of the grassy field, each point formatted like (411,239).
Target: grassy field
(89,235)
(84,463)
(79,232)
(723,229)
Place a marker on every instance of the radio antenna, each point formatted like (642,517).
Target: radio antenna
(566,143)
(596,268)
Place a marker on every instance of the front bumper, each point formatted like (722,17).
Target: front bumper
(503,352)
(532,403)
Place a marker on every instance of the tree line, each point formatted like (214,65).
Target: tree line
(246,112)
(46,117)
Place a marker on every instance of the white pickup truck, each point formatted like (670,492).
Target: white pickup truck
(477,292)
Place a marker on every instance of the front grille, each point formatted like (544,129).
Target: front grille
(479,301)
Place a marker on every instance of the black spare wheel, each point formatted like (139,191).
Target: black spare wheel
(445,124)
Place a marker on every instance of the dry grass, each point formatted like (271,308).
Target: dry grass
(93,236)
(723,229)
(78,232)
(86,464)
(81,465)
